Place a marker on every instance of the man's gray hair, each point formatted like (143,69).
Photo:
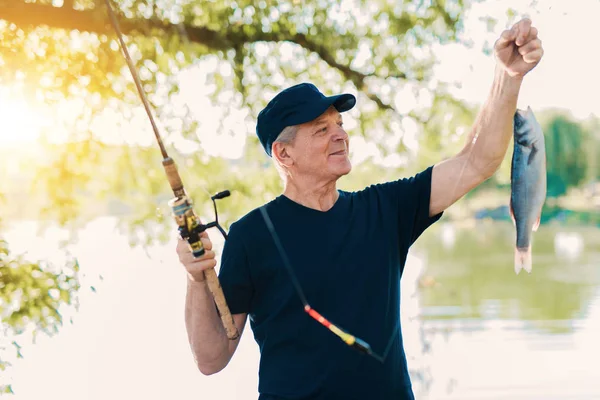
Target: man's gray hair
(287,136)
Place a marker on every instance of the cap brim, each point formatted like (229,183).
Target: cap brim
(341,102)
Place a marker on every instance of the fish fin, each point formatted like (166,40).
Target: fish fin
(536,224)
(512,214)
(532,155)
(523,260)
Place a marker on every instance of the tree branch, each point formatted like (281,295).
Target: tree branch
(358,78)
(32,14)
(96,21)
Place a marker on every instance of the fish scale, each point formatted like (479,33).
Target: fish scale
(528,184)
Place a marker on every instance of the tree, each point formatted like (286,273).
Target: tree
(566,154)
(66,56)
(592,126)
(32,295)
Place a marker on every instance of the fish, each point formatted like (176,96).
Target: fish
(527,183)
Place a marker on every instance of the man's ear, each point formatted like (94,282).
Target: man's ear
(280,153)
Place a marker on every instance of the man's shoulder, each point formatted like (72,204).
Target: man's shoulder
(250,233)
(253,218)
(397,186)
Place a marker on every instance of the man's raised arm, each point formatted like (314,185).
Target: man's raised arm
(517,51)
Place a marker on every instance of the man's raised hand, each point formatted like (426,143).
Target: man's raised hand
(519,49)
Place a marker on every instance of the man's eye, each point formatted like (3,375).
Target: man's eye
(340,123)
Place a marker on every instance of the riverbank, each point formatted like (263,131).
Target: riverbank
(575,209)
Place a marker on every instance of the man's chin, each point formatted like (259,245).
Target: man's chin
(345,170)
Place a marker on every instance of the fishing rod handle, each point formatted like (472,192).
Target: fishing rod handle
(173,177)
(212,280)
(190,228)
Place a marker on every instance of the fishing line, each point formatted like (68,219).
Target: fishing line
(349,339)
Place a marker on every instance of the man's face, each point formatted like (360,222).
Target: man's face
(321,148)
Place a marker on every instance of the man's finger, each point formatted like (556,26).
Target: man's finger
(207,254)
(182,245)
(533,33)
(506,38)
(201,266)
(531,46)
(524,27)
(206,243)
(190,261)
(533,56)
(531,37)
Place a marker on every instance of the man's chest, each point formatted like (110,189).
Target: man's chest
(328,266)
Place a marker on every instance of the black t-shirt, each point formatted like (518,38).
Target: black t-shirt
(348,261)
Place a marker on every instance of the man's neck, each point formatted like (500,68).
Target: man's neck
(320,197)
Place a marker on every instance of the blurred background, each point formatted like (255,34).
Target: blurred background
(91,292)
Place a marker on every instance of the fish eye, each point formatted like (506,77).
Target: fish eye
(518,121)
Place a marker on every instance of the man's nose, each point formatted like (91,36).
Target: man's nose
(339,134)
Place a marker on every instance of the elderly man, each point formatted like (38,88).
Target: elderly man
(346,250)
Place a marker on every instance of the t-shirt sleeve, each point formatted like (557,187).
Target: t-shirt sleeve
(234,273)
(408,199)
(417,201)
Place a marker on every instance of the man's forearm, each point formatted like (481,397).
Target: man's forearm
(206,334)
(493,127)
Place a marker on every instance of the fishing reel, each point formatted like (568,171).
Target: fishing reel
(189,223)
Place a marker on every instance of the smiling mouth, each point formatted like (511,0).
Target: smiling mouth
(339,153)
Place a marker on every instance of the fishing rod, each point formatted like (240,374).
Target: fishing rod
(190,226)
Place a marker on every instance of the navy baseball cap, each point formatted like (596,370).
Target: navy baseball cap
(296,105)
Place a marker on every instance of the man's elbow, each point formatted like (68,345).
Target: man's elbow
(207,371)
(486,168)
(488,172)
(211,359)
(211,369)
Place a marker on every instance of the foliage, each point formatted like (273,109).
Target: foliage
(592,145)
(31,296)
(566,155)
(447,131)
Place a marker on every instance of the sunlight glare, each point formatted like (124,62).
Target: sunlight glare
(21,122)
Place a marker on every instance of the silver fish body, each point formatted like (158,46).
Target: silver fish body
(528,183)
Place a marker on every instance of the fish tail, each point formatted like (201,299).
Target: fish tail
(523,259)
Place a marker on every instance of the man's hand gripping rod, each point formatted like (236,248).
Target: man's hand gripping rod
(189,224)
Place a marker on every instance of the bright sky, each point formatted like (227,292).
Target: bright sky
(567,77)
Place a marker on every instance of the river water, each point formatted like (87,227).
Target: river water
(473,329)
